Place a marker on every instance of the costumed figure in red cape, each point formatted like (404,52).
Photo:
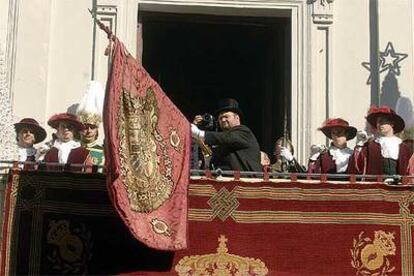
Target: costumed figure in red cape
(336,158)
(386,154)
(66,148)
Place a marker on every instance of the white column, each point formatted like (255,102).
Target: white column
(121,16)
(321,68)
(8,31)
(7,133)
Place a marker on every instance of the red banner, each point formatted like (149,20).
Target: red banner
(147,144)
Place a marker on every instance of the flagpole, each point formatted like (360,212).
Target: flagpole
(94,41)
(109,33)
(374,52)
(102,26)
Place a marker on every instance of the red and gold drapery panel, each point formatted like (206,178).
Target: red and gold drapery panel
(297,228)
(64,223)
(147,145)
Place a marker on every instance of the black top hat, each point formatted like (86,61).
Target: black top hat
(228,104)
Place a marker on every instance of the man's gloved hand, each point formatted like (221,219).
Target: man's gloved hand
(196,133)
(316,150)
(285,153)
(361,137)
(42,150)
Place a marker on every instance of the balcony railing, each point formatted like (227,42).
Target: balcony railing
(219,174)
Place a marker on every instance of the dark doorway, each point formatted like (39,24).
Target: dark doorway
(199,59)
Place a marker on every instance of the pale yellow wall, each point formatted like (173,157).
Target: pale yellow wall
(4,8)
(54,54)
(396,26)
(351,95)
(70,54)
(32,58)
(53,62)
(351,47)
(54,50)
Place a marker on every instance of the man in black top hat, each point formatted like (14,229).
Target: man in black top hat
(235,147)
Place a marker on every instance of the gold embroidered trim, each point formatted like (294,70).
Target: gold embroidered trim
(223,203)
(146,166)
(370,257)
(221,263)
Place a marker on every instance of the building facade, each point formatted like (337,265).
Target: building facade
(337,57)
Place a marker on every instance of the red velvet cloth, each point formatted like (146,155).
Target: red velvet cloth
(296,228)
(302,228)
(282,228)
(147,145)
(78,156)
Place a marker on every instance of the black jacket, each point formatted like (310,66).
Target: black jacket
(234,149)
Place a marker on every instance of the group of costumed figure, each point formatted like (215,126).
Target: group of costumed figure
(379,153)
(234,147)
(75,140)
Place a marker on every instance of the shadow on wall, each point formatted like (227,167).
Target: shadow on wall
(391,96)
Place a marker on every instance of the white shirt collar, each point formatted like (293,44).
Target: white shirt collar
(341,157)
(26,152)
(64,149)
(390,146)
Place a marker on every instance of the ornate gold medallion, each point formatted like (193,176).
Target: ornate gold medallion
(71,247)
(221,263)
(146,166)
(175,140)
(160,227)
(370,257)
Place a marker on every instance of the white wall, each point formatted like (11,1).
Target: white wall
(396,26)
(70,54)
(32,57)
(53,60)
(54,55)
(4,8)
(350,48)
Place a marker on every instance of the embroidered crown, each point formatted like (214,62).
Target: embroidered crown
(221,263)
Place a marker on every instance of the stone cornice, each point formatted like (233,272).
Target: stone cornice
(322,11)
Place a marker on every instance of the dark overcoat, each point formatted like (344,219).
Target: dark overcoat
(234,149)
